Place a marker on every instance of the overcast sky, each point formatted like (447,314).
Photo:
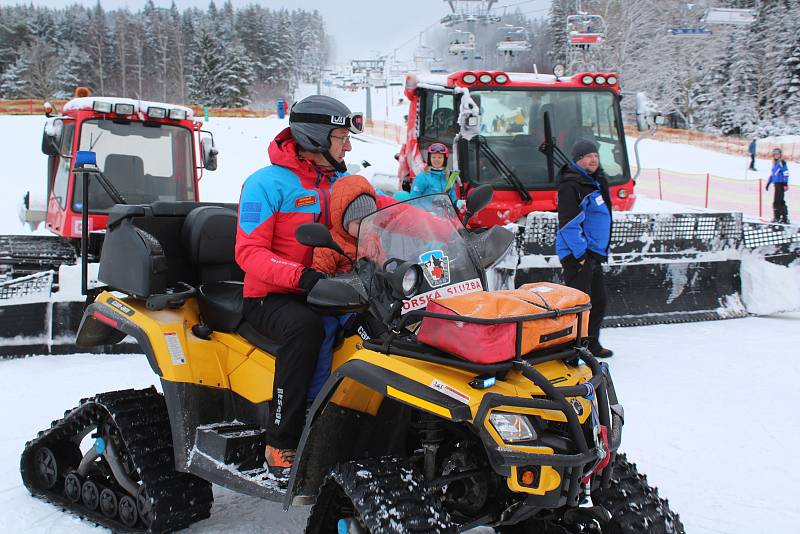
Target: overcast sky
(361,28)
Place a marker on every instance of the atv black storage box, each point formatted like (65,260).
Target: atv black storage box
(144,252)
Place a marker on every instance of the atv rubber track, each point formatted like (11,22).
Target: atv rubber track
(387,493)
(635,505)
(176,499)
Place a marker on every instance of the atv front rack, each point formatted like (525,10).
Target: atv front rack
(599,387)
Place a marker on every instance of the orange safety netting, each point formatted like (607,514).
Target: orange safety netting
(719,143)
(387,130)
(715,192)
(36,107)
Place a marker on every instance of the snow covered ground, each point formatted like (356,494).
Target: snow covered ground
(708,417)
(708,405)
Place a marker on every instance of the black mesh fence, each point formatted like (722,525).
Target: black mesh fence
(38,286)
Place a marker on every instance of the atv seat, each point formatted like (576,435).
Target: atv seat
(209,234)
(221,309)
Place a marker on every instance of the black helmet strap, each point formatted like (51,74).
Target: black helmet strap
(339,166)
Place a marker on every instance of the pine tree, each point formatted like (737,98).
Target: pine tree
(235,77)
(204,83)
(792,102)
(559,10)
(13,83)
(69,73)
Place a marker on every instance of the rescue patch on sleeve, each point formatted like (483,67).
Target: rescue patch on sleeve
(250,212)
(309,200)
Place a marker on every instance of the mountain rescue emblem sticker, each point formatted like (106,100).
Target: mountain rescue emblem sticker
(436,267)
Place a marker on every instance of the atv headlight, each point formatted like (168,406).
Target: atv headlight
(406,279)
(410,282)
(512,427)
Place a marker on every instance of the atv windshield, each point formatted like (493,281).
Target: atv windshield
(426,231)
(144,161)
(512,127)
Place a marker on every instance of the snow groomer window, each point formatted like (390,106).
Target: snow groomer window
(146,162)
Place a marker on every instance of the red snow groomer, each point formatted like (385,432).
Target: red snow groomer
(147,153)
(506,129)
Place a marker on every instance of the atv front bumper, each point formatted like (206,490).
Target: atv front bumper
(566,455)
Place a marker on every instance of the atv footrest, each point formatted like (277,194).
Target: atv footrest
(232,443)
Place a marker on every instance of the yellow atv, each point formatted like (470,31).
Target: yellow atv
(402,438)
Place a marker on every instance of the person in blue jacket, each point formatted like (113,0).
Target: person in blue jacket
(752,151)
(435,178)
(584,232)
(780,177)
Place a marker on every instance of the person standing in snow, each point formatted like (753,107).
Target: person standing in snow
(435,179)
(584,232)
(780,177)
(752,150)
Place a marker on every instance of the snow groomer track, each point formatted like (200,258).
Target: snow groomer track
(664,268)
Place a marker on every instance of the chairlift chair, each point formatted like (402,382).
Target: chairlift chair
(515,40)
(461,42)
(731,16)
(584,30)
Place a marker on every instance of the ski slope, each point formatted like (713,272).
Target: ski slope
(708,405)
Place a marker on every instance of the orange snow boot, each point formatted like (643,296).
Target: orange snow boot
(279,461)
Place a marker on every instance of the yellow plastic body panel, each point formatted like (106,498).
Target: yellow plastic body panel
(419,403)
(355,396)
(226,360)
(253,378)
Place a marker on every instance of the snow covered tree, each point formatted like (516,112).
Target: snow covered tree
(99,48)
(559,10)
(13,83)
(70,73)
(235,77)
(149,53)
(792,102)
(206,65)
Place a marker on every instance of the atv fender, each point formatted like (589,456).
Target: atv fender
(334,434)
(107,322)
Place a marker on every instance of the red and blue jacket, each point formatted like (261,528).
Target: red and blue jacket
(276,200)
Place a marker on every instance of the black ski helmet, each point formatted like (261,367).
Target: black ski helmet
(314,118)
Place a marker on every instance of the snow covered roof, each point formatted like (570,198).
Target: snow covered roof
(77,104)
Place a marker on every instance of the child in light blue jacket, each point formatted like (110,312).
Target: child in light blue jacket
(434,179)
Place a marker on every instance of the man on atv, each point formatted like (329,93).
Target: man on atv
(307,158)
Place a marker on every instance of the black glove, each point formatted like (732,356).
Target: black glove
(767,188)
(308,279)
